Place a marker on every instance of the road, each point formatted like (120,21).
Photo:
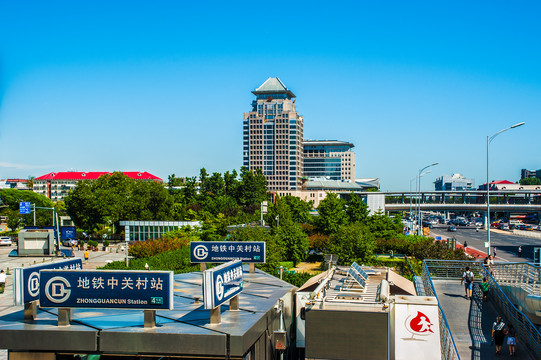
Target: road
(506,243)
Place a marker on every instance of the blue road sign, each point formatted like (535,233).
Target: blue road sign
(26,281)
(24,207)
(147,290)
(223,251)
(222,283)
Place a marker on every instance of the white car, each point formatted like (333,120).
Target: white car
(5,241)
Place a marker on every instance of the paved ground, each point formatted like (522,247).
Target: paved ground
(471,322)
(96,259)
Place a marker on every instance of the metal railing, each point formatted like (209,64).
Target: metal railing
(520,275)
(526,330)
(447,343)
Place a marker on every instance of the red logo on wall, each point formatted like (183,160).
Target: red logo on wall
(419,325)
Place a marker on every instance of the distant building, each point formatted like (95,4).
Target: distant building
(456,182)
(496,185)
(525,174)
(20,184)
(57,185)
(272,136)
(329,159)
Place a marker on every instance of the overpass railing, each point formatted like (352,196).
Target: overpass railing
(447,343)
(529,335)
(519,275)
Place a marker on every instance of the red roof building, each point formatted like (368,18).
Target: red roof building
(56,185)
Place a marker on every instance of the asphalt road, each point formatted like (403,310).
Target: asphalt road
(506,244)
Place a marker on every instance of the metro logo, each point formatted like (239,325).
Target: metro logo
(419,325)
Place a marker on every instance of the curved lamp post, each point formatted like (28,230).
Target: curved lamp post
(419,190)
(489,140)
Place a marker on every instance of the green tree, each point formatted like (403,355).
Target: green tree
(253,187)
(274,252)
(300,209)
(353,242)
(13,197)
(530,181)
(356,209)
(293,242)
(331,214)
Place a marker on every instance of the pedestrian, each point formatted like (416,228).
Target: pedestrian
(498,334)
(2,281)
(86,256)
(485,286)
(467,279)
(465,246)
(511,339)
(519,251)
(494,253)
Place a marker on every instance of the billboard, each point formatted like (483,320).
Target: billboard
(26,279)
(223,251)
(222,283)
(146,290)
(68,233)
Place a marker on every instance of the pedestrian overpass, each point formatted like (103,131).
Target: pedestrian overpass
(465,326)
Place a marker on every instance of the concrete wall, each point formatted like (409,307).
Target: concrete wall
(36,242)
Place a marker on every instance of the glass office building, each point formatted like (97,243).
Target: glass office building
(272,136)
(329,159)
(145,230)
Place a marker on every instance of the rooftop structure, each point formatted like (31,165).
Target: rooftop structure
(525,174)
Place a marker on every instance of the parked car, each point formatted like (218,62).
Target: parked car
(5,241)
(504,227)
(451,228)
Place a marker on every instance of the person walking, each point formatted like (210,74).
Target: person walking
(86,256)
(494,253)
(2,281)
(465,246)
(511,339)
(467,279)
(498,334)
(519,251)
(485,286)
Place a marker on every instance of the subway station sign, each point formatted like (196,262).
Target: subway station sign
(147,290)
(222,283)
(26,279)
(223,251)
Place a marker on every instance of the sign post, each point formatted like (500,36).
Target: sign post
(145,290)
(222,251)
(220,284)
(26,284)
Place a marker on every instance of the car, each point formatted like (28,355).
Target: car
(451,228)
(69,242)
(504,227)
(5,241)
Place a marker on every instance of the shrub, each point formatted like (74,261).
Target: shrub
(105,243)
(297,279)
(147,248)
(176,260)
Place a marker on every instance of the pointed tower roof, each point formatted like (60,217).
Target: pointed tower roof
(273,85)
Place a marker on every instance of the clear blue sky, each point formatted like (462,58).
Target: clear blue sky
(161,86)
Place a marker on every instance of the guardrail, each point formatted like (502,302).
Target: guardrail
(447,343)
(527,331)
(521,275)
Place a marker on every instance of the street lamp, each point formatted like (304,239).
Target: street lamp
(419,190)
(489,140)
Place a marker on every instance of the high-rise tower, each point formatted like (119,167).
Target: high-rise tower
(273,134)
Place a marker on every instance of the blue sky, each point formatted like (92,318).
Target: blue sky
(162,86)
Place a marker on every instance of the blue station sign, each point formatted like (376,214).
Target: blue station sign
(26,279)
(147,290)
(24,207)
(68,233)
(223,251)
(222,283)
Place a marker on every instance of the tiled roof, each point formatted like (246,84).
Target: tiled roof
(273,86)
(93,175)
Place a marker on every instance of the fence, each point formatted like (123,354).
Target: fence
(448,347)
(527,332)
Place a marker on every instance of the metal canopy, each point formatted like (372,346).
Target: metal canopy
(186,330)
